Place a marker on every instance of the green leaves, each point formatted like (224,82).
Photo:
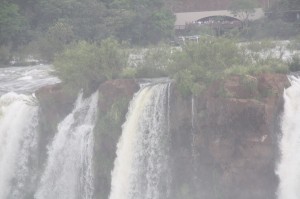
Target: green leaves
(148,22)
(85,65)
(243,9)
(11,22)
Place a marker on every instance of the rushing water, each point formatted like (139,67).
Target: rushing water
(69,170)
(25,79)
(18,136)
(289,167)
(140,169)
(18,128)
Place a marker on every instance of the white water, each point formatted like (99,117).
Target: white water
(194,144)
(69,169)
(18,141)
(25,79)
(141,167)
(289,167)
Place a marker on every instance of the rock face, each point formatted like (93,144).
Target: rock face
(224,142)
(114,96)
(231,142)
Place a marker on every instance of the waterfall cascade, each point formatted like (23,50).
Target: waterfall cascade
(141,166)
(18,142)
(69,169)
(143,151)
(289,166)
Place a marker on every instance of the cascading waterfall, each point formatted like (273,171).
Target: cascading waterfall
(194,152)
(141,166)
(289,167)
(193,143)
(69,173)
(18,143)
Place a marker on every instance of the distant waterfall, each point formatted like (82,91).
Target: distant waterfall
(18,142)
(69,173)
(141,167)
(289,167)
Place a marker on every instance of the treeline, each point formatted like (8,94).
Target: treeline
(44,27)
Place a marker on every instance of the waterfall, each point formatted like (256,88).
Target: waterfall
(289,166)
(69,168)
(193,142)
(18,143)
(141,166)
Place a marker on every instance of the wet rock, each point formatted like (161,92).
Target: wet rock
(233,144)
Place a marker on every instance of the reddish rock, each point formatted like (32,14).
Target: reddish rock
(235,137)
(228,150)
(113,90)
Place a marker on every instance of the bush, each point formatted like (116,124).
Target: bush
(199,64)
(294,43)
(154,62)
(85,65)
(294,64)
(267,28)
(129,72)
(195,29)
(47,45)
(4,55)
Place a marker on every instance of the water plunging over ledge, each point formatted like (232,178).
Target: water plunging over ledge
(141,166)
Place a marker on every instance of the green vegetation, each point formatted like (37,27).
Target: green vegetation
(198,65)
(11,23)
(194,66)
(76,36)
(43,28)
(4,55)
(155,62)
(243,9)
(294,64)
(107,133)
(85,65)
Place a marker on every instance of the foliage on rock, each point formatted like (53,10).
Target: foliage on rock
(84,65)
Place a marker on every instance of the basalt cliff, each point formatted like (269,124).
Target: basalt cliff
(223,142)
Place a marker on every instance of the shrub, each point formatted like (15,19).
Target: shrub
(85,65)
(47,45)
(199,64)
(154,62)
(294,43)
(129,72)
(267,28)
(294,64)
(4,55)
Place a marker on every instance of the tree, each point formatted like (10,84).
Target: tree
(11,22)
(243,9)
(145,21)
(54,40)
(85,16)
(85,65)
(294,4)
